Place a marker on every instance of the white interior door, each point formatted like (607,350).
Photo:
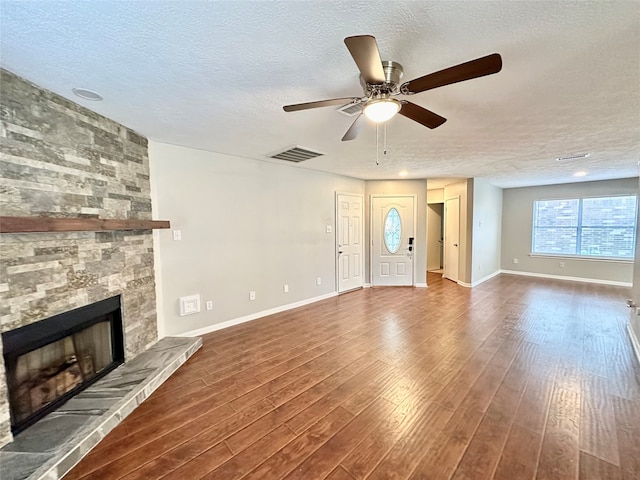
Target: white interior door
(451,238)
(392,240)
(350,229)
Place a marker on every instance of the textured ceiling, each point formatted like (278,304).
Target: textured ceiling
(215,75)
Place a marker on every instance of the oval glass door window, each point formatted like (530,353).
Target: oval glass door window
(392,231)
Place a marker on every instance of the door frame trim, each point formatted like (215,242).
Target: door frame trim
(415,231)
(335,240)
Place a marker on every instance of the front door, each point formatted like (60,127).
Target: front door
(451,238)
(392,240)
(350,208)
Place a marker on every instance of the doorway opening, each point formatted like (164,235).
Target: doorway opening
(435,237)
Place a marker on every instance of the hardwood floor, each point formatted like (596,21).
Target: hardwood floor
(515,379)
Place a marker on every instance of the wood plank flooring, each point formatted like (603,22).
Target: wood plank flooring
(515,379)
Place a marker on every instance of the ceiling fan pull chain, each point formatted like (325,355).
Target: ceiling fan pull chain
(385,139)
(377,147)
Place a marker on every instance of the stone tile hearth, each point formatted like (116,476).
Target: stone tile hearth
(51,447)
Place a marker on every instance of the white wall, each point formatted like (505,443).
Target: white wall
(246,225)
(401,187)
(517,224)
(435,195)
(486,231)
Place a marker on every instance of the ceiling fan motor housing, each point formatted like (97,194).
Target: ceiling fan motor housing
(393,72)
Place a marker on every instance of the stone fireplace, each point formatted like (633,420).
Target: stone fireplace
(50,361)
(59,159)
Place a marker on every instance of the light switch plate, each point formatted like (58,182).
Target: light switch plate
(329,229)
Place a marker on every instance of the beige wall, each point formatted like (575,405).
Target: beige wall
(517,228)
(486,230)
(401,187)
(247,225)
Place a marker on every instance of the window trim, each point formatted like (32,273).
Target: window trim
(578,228)
(582,258)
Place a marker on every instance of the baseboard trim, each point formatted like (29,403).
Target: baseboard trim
(421,285)
(571,279)
(634,341)
(486,277)
(366,285)
(478,282)
(253,316)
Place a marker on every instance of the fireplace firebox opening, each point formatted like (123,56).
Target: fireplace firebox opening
(50,361)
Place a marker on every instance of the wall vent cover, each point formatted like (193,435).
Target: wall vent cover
(296,154)
(352,109)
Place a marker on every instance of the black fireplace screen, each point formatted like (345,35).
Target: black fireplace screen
(51,360)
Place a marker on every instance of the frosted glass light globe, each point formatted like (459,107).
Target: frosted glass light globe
(381,110)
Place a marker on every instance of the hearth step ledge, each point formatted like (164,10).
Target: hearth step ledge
(50,448)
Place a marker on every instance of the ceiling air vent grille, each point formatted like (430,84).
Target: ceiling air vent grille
(351,109)
(296,154)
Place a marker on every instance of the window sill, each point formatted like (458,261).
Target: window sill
(582,258)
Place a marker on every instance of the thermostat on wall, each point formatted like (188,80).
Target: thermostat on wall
(189,305)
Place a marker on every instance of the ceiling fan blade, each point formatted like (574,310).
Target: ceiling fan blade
(320,103)
(465,71)
(364,50)
(421,115)
(354,129)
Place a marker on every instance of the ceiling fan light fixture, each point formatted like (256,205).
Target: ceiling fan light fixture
(382,109)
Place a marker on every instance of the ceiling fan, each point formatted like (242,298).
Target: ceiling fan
(381,81)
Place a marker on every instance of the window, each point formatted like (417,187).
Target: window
(392,231)
(603,227)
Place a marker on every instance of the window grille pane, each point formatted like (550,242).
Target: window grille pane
(557,213)
(606,211)
(557,241)
(608,242)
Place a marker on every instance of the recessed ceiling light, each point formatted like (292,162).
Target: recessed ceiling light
(580,174)
(403,173)
(572,157)
(87,94)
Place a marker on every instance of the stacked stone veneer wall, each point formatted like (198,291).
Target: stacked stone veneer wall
(60,159)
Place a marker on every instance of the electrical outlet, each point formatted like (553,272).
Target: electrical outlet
(515,261)
(318,281)
(177,234)
(286,288)
(561,265)
(252,295)
(209,305)
(329,229)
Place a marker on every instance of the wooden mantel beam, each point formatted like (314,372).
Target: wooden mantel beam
(81,224)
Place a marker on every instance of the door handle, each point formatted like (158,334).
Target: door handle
(455,244)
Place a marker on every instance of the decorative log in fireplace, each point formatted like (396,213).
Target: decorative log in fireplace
(52,360)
